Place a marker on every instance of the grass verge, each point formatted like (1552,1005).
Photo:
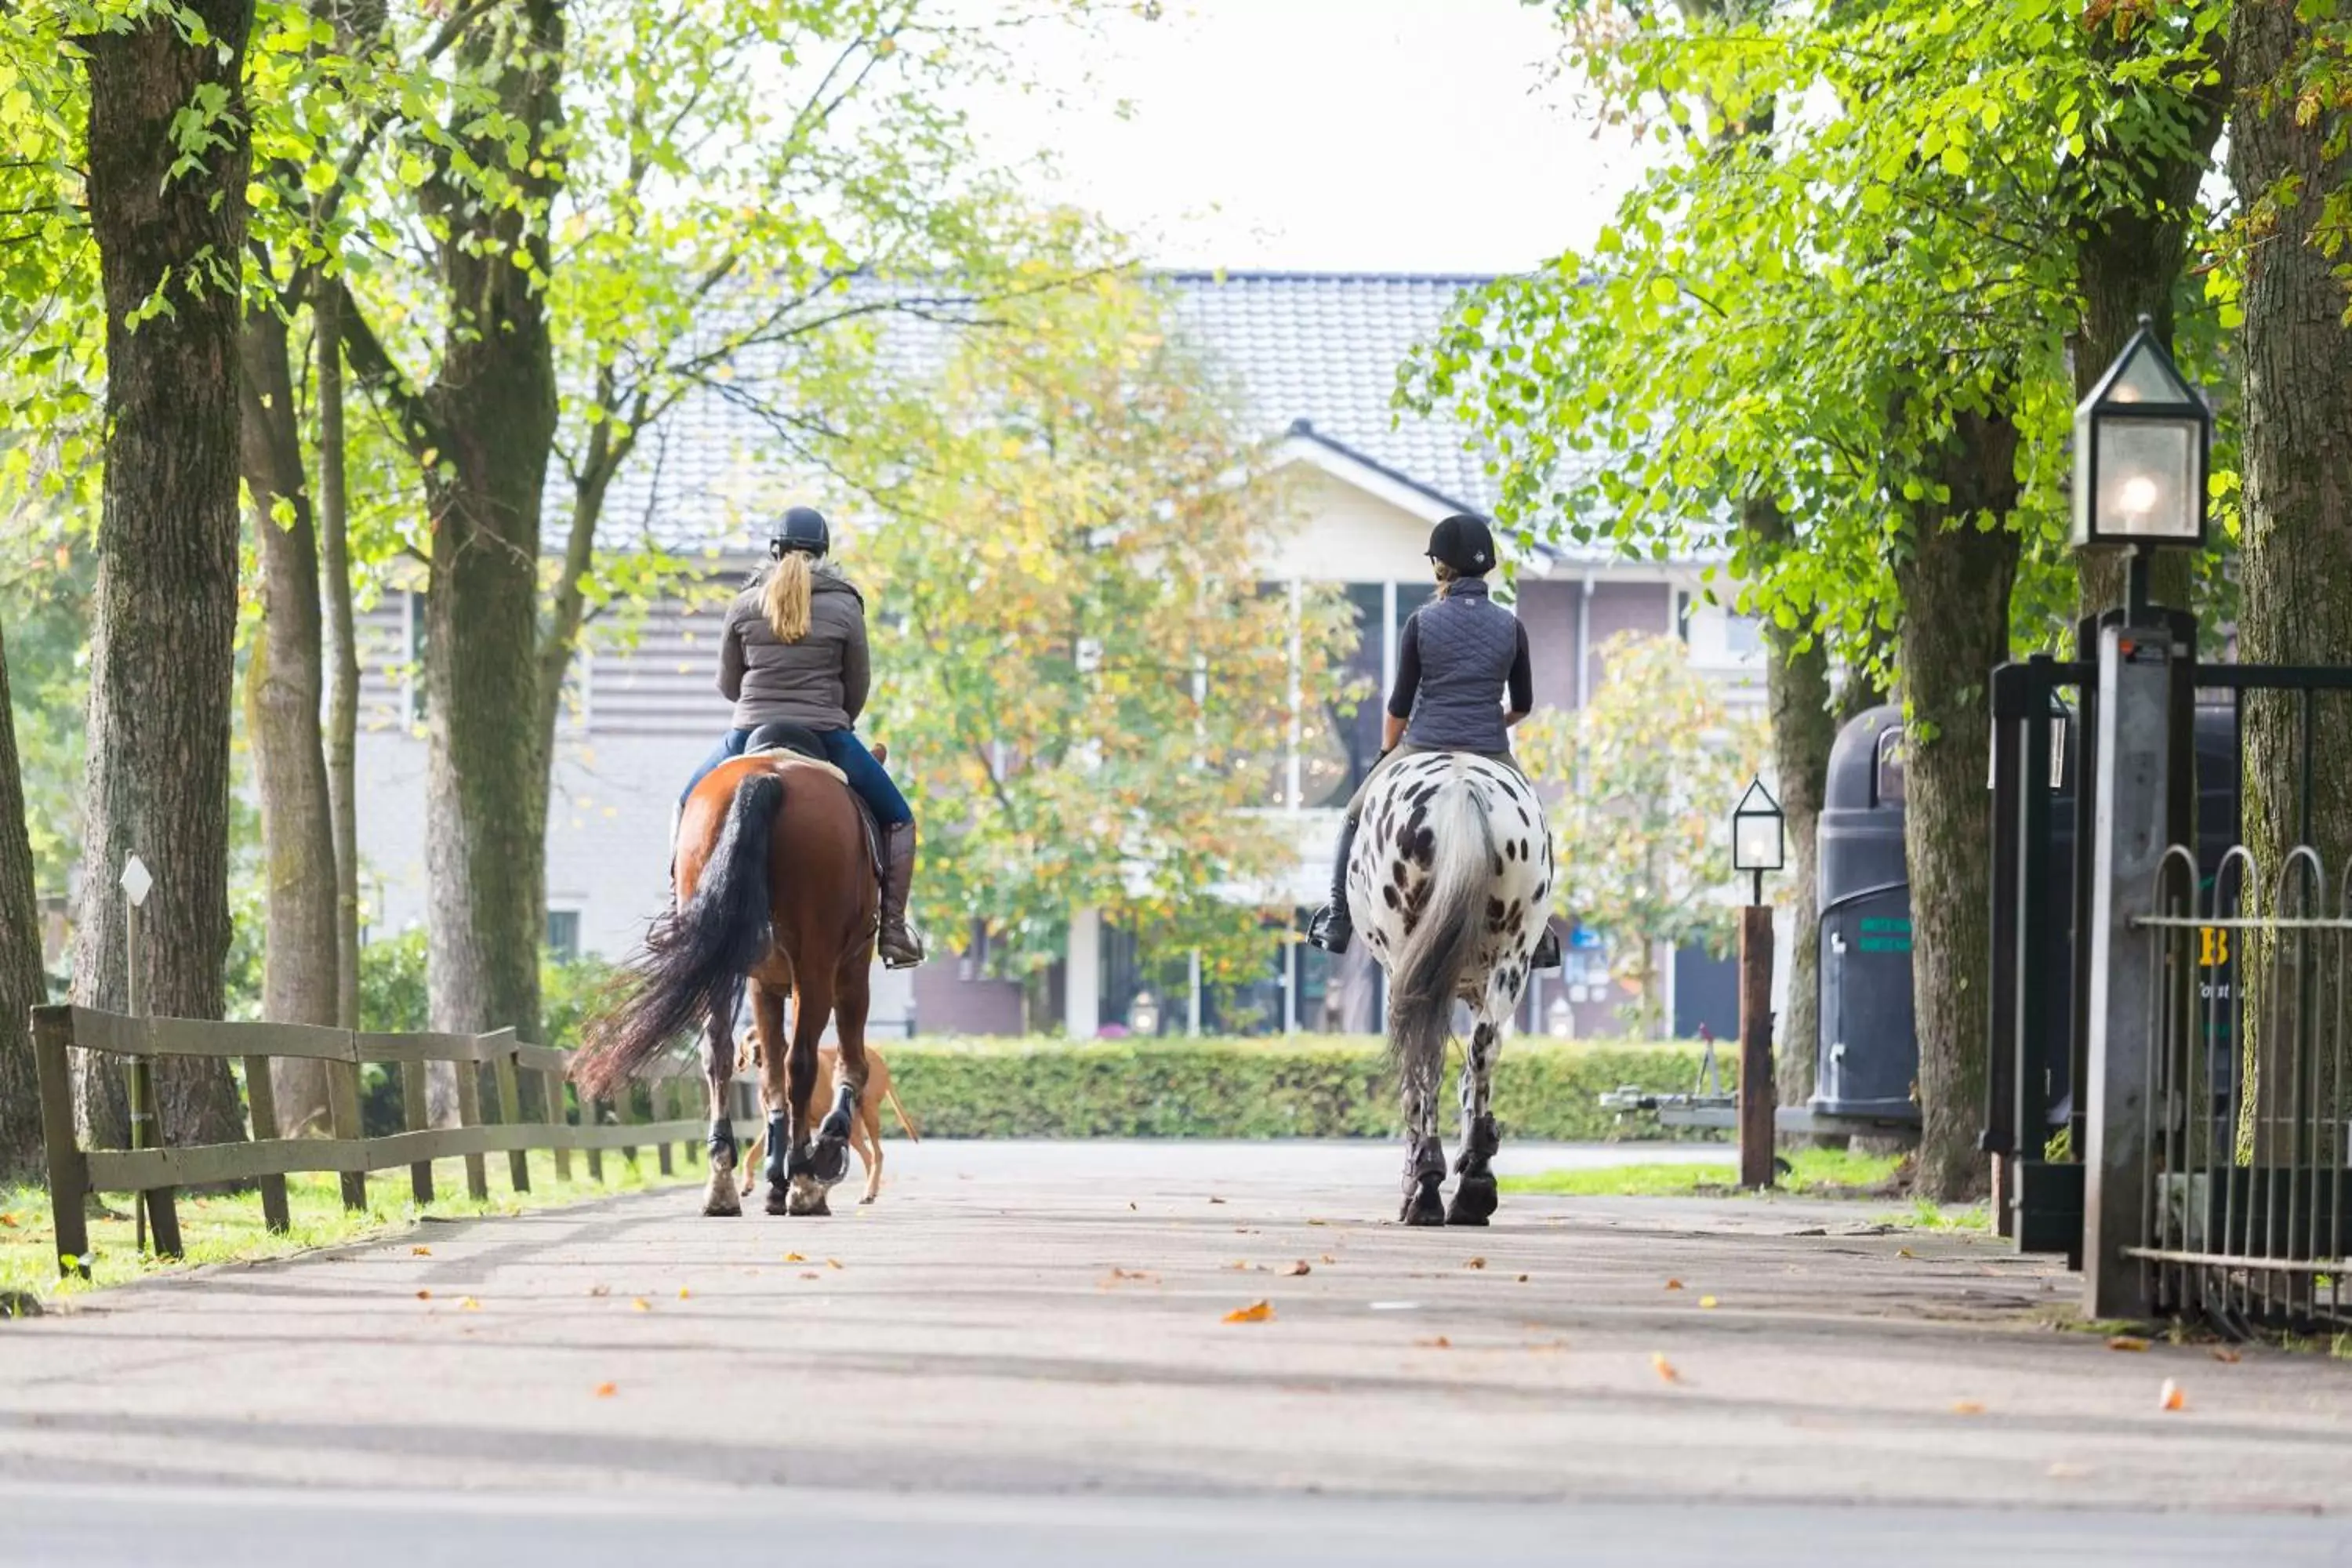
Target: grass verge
(1818,1172)
(228,1228)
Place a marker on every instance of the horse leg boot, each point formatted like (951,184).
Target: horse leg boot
(829,1160)
(1331,929)
(901,948)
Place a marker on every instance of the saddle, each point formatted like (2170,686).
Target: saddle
(799,740)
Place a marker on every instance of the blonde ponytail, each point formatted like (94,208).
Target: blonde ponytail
(1446,576)
(786,603)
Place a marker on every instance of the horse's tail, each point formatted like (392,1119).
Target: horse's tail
(1427,974)
(694,958)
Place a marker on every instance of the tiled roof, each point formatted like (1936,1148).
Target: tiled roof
(1310,353)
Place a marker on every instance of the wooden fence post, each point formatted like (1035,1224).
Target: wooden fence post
(683,1097)
(625,1112)
(510,1115)
(592,1114)
(469,1114)
(261,1099)
(343,1122)
(552,1086)
(416,1116)
(69,1175)
(661,1095)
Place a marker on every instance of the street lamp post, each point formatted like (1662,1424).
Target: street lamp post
(1758,844)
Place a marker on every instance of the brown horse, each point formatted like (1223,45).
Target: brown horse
(775,887)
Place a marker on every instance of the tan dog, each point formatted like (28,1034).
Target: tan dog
(866,1128)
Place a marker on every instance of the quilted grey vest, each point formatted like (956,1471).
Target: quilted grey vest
(1467,644)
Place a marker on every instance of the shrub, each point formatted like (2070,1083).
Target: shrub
(1301,1088)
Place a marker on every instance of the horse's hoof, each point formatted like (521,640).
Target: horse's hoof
(1474,1201)
(780,1199)
(807,1199)
(829,1162)
(722,1201)
(1423,1206)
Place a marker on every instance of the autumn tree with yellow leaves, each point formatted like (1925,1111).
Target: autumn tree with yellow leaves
(1088,684)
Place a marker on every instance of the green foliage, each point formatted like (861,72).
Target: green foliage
(1649,770)
(393,999)
(1812,1173)
(1860,236)
(1301,1088)
(1084,677)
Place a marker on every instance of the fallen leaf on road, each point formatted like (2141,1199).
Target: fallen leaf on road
(1318,1221)
(833,1263)
(812,1274)
(1903,1252)
(1475,1263)
(1216,1200)
(1295,1270)
(2171,1396)
(641,1304)
(1440,1343)
(469,1305)
(1523,1279)
(1130,1206)
(2062,1471)
(1673,1284)
(2231,1356)
(1968,1407)
(794,1257)
(1329,1258)
(600,1289)
(1665,1368)
(420,1252)
(1706,1301)
(2127,1343)
(1118,1274)
(606,1390)
(683,1293)
(424,1295)
(1255,1313)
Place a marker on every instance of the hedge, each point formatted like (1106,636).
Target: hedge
(1299,1088)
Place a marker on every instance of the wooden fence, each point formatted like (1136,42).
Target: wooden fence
(266,1161)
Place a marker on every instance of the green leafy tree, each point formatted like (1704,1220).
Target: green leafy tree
(1647,771)
(1083,680)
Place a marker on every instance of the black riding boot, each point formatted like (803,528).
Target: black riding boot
(1331,930)
(901,948)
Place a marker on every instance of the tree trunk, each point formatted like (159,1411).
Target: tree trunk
(1955,585)
(494,406)
(283,689)
(343,658)
(1797,693)
(22,984)
(2296,455)
(163,665)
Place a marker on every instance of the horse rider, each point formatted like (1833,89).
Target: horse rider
(1459,655)
(794,652)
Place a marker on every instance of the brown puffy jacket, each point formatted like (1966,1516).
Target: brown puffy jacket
(818,682)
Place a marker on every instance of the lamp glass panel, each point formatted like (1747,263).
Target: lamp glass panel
(1756,843)
(2148,478)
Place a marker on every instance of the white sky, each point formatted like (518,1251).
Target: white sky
(1403,135)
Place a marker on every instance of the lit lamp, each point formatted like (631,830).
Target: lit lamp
(1758,843)
(2141,439)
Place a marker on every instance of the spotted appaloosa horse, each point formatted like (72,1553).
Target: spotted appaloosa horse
(775,887)
(1451,884)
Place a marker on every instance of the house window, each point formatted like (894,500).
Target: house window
(1683,614)
(1742,635)
(564,934)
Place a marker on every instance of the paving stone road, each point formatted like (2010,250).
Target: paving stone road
(1039,1331)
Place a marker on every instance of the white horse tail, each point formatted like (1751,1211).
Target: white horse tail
(1426,977)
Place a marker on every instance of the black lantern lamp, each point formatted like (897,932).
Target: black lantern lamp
(2141,441)
(1757,843)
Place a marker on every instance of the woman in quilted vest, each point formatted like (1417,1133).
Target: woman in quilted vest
(1462,680)
(794,652)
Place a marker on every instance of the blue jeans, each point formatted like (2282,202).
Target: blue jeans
(845,751)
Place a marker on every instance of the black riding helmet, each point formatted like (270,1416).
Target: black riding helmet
(801,529)
(1464,543)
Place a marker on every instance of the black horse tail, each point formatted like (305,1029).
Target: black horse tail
(1427,976)
(694,958)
